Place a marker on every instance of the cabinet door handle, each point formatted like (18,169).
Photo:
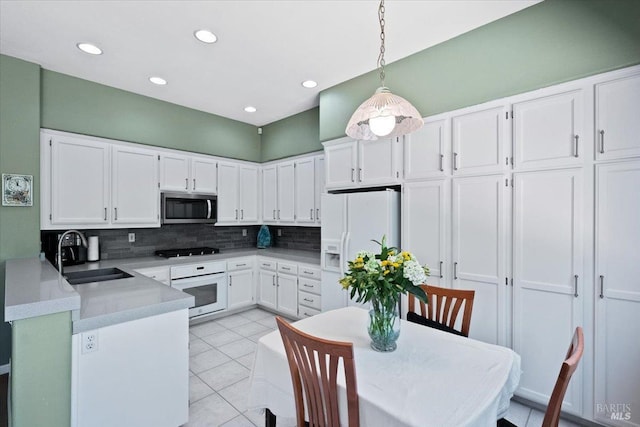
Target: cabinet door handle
(273,281)
(274,214)
(441,162)
(241,265)
(455,271)
(230,280)
(105,214)
(241,213)
(352,171)
(577,137)
(575,286)
(116,213)
(311,214)
(278,213)
(308,300)
(455,161)
(236,213)
(602,142)
(186,183)
(441,275)
(307,286)
(194,183)
(601,286)
(360,174)
(317,214)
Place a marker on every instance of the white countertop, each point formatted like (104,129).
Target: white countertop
(34,288)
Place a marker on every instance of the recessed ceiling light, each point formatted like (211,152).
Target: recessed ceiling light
(250,109)
(309,84)
(205,36)
(158,81)
(89,48)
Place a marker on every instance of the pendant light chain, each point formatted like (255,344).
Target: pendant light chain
(382,36)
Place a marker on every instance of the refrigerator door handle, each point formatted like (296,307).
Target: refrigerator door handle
(343,252)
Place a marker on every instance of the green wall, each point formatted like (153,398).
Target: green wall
(19,153)
(548,43)
(75,105)
(297,134)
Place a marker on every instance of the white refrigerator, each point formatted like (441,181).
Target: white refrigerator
(349,224)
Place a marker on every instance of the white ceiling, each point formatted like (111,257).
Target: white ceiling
(265,49)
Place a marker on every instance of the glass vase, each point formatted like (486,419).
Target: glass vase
(384,325)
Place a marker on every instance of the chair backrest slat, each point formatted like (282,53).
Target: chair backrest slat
(313,363)
(444,305)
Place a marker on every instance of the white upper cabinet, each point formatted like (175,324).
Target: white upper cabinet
(204,175)
(305,190)
(617,289)
(319,185)
(479,226)
(548,277)
(228,191)
(618,118)
(340,165)
(549,131)
(269,194)
(248,194)
(286,192)
(135,195)
(174,172)
(377,162)
(79,181)
(424,151)
(352,164)
(237,193)
(183,173)
(478,141)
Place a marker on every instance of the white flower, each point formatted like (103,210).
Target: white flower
(414,272)
(372,265)
(365,254)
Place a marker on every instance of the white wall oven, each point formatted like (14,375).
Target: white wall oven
(206,281)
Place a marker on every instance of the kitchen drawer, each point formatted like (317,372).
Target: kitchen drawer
(309,300)
(308,271)
(287,268)
(267,264)
(309,285)
(161,274)
(306,311)
(240,264)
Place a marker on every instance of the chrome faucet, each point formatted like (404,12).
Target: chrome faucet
(82,238)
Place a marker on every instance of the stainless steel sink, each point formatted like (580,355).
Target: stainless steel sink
(90,276)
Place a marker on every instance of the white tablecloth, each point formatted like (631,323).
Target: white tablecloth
(433,378)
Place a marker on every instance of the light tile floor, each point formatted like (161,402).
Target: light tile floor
(221,358)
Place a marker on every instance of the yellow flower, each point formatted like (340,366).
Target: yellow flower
(358,265)
(344,282)
(359,259)
(386,272)
(384,263)
(392,253)
(396,265)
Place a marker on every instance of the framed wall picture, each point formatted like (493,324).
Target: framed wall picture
(17,190)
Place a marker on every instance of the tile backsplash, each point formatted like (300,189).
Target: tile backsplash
(114,244)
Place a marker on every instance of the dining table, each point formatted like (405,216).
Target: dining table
(433,378)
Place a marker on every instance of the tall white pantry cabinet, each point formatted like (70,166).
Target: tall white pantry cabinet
(533,201)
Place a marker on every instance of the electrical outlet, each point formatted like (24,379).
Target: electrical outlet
(132,237)
(279,232)
(89,342)
(244,232)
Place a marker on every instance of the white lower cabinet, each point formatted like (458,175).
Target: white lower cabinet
(548,277)
(240,283)
(617,294)
(479,228)
(287,294)
(121,374)
(268,289)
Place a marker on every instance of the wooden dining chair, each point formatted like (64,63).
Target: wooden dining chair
(313,363)
(442,309)
(552,415)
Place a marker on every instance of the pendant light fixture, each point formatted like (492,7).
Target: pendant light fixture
(384,114)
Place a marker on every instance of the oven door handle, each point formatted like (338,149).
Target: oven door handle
(206,279)
(208,208)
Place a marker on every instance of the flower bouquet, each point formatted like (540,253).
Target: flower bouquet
(380,279)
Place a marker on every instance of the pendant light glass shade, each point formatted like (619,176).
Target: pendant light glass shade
(383,115)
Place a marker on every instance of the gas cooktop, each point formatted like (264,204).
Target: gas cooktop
(171,253)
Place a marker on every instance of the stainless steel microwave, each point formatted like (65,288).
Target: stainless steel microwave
(184,208)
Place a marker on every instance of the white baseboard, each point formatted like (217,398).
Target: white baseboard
(4,369)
